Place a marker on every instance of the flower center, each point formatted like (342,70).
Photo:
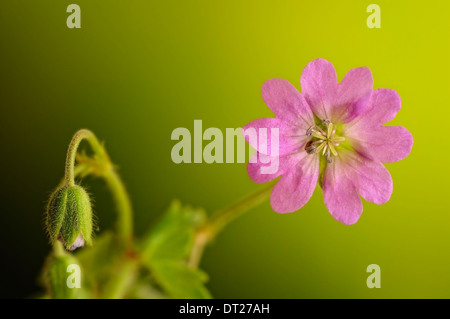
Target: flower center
(323,140)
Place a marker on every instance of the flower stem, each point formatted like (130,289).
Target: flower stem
(223,217)
(58,249)
(97,148)
(123,205)
(102,166)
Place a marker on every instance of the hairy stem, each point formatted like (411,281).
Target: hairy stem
(102,166)
(97,148)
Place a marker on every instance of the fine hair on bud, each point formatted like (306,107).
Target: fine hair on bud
(69,217)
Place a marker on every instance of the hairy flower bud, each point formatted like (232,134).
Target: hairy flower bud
(69,217)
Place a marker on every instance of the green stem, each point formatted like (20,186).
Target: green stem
(123,205)
(107,171)
(80,169)
(223,217)
(58,249)
(97,148)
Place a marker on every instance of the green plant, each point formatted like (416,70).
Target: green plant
(162,264)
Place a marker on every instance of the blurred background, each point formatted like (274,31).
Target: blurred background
(136,70)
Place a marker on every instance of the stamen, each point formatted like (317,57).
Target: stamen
(330,130)
(321,131)
(329,159)
(338,139)
(333,150)
(320,147)
(310,148)
(322,142)
(319,136)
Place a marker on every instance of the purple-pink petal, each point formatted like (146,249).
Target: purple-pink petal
(255,165)
(287,103)
(260,134)
(319,85)
(340,195)
(353,94)
(371,179)
(352,174)
(374,183)
(383,106)
(366,134)
(259,161)
(386,144)
(296,185)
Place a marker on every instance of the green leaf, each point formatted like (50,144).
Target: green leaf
(145,289)
(173,236)
(180,281)
(100,261)
(99,256)
(175,244)
(166,249)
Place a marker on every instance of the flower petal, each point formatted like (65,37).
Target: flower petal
(263,168)
(260,134)
(386,144)
(319,86)
(254,166)
(371,179)
(339,193)
(350,174)
(353,95)
(296,185)
(79,242)
(287,103)
(383,106)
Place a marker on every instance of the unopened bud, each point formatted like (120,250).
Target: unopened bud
(69,217)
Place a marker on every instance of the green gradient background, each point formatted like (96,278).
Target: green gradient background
(138,69)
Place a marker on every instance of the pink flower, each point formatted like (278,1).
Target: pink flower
(331,133)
